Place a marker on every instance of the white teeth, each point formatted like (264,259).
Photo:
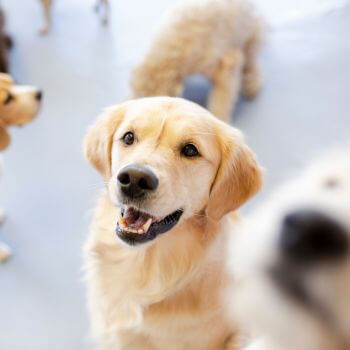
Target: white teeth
(141,230)
(147,225)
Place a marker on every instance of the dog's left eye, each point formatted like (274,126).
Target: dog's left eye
(128,138)
(189,150)
(8,99)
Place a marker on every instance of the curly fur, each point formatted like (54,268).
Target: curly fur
(216,38)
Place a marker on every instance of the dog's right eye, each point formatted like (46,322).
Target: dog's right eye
(190,150)
(128,138)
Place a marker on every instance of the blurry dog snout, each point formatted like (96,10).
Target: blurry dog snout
(38,95)
(311,237)
(136,181)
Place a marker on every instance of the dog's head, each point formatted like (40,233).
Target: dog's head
(292,257)
(166,160)
(18,105)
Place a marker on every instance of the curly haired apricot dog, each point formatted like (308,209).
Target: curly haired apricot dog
(217,38)
(154,257)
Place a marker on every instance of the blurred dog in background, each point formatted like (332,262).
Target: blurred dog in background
(219,39)
(18,106)
(5,44)
(101,5)
(292,262)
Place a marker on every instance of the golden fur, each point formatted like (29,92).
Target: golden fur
(166,294)
(217,38)
(19,105)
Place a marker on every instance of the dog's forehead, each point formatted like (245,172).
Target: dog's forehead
(174,117)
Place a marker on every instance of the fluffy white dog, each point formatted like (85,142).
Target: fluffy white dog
(291,259)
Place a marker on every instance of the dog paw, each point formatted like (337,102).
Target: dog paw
(105,21)
(44,30)
(5,252)
(251,84)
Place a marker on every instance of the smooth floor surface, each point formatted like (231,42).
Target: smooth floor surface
(48,190)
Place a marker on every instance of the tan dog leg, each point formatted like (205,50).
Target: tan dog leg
(5,252)
(252,79)
(47,16)
(226,85)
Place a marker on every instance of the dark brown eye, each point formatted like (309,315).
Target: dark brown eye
(8,99)
(128,138)
(189,150)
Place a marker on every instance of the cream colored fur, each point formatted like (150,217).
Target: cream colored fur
(260,304)
(166,294)
(217,38)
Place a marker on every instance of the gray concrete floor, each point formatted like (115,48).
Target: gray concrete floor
(48,189)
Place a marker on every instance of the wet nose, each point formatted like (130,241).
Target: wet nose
(137,180)
(39,95)
(309,236)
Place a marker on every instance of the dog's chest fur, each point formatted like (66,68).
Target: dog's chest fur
(168,293)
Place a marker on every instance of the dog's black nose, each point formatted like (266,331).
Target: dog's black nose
(311,237)
(137,180)
(39,95)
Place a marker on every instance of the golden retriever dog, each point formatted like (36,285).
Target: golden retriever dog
(102,5)
(292,264)
(219,39)
(19,104)
(154,257)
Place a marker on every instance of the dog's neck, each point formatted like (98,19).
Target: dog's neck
(153,273)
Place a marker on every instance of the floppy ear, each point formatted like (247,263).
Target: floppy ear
(238,178)
(4,138)
(98,142)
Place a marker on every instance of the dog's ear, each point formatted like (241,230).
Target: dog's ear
(98,142)
(4,138)
(238,177)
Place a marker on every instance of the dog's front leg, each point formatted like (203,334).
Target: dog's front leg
(226,85)
(47,16)
(252,77)
(5,252)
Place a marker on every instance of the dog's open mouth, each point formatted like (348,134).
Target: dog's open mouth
(135,227)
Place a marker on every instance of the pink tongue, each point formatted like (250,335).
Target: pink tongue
(135,219)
